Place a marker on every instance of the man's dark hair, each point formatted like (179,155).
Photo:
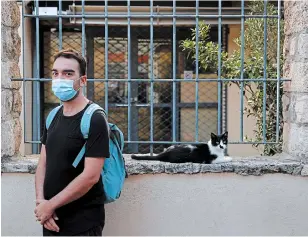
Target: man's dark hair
(70,53)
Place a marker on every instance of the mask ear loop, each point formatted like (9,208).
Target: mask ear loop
(79,83)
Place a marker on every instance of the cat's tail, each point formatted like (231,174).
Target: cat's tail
(159,157)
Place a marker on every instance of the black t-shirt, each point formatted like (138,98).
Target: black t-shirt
(63,142)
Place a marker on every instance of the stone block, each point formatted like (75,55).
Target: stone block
(10,14)
(299,102)
(10,70)
(17,103)
(11,44)
(6,105)
(185,168)
(8,146)
(304,171)
(286,72)
(299,76)
(297,109)
(302,48)
(144,167)
(286,106)
(295,140)
(211,168)
(17,134)
(293,46)
(296,16)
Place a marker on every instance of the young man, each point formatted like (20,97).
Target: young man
(70,201)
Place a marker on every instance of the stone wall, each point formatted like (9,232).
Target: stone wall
(295,99)
(11,104)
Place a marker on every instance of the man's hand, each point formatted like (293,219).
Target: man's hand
(44,211)
(50,224)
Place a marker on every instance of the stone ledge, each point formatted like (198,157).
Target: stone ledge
(243,166)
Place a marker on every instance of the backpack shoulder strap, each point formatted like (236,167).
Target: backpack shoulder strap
(85,127)
(86,119)
(51,115)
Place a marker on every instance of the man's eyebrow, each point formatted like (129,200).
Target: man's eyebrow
(68,70)
(65,70)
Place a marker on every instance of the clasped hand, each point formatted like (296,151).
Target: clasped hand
(46,215)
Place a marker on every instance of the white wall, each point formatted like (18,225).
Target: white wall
(201,204)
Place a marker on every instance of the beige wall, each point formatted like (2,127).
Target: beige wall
(207,117)
(201,204)
(234,114)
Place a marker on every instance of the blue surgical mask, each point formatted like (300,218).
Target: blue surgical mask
(64,89)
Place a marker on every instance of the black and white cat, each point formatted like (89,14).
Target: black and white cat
(210,153)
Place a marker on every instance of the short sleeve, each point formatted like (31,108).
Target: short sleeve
(98,139)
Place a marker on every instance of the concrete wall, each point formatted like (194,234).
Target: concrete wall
(165,204)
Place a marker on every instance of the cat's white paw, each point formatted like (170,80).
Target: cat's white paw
(228,158)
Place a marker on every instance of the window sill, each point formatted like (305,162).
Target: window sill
(243,166)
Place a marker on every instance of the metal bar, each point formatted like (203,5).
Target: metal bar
(174,73)
(168,105)
(278,72)
(153,15)
(38,102)
(157,105)
(134,90)
(152,77)
(165,79)
(106,56)
(83,39)
(242,73)
(197,74)
(264,72)
(219,70)
(224,89)
(83,29)
(129,96)
(60,25)
(169,142)
(23,69)
(60,29)
(90,67)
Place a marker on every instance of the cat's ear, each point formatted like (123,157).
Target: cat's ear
(213,136)
(225,134)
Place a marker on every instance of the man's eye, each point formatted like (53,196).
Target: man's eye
(54,73)
(69,74)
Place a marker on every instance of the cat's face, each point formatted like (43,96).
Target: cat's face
(219,141)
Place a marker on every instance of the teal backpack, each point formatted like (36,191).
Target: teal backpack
(113,172)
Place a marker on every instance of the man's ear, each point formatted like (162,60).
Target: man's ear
(83,80)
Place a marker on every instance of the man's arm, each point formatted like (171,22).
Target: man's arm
(40,175)
(81,184)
